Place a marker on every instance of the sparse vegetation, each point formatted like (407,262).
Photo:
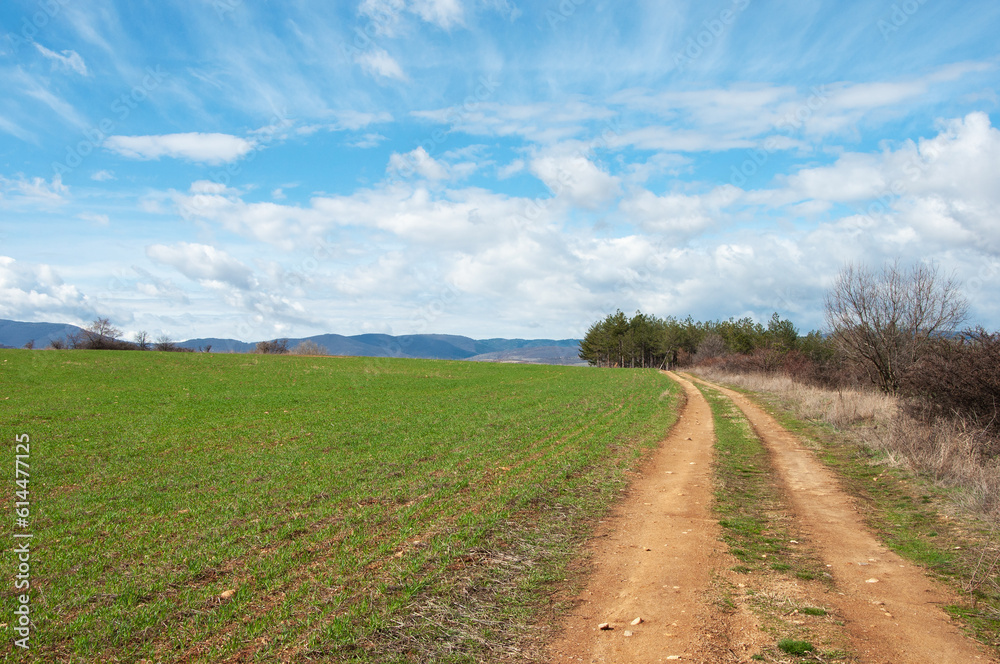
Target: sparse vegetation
(793,647)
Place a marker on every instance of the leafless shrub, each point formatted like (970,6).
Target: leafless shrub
(959,378)
(275,347)
(308,347)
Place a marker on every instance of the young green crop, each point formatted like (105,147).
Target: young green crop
(339,498)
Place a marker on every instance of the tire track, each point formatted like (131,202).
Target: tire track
(653,559)
(892,608)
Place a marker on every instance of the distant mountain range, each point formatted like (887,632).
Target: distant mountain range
(14,334)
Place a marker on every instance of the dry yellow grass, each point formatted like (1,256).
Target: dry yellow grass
(841,408)
(947,451)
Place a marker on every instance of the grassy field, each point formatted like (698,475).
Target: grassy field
(206,508)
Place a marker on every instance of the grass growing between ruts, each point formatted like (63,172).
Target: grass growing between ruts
(360,509)
(777,576)
(909,512)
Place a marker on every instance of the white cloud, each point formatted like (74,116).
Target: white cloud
(384,15)
(367,141)
(679,216)
(97,219)
(15,129)
(203,263)
(945,187)
(511,169)
(576,179)
(198,147)
(445,13)
(377,62)
(103,176)
(69,59)
(417,162)
(34,291)
(34,191)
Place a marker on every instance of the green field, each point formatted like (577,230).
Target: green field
(361,509)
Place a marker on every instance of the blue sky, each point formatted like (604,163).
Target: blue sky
(486,167)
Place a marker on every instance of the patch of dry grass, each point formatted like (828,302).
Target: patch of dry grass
(948,451)
(841,408)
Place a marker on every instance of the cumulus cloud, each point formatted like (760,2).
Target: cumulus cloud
(575,178)
(680,216)
(198,147)
(417,162)
(204,263)
(35,291)
(944,188)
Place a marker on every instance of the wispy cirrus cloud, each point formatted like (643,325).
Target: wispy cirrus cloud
(68,59)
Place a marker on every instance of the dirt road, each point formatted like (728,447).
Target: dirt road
(654,559)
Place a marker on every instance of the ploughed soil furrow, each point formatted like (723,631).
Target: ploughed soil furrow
(891,608)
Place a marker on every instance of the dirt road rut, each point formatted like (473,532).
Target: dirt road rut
(654,558)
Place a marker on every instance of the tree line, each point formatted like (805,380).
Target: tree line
(644,340)
(102,335)
(895,328)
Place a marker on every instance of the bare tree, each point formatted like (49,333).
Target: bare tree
(882,321)
(142,339)
(164,343)
(100,334)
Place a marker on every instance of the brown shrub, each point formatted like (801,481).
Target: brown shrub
(960,378)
